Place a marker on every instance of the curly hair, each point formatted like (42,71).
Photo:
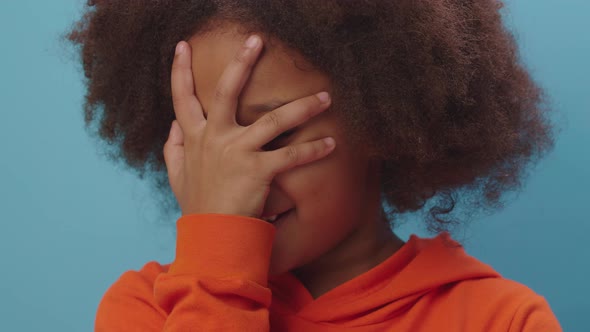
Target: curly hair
(435,88)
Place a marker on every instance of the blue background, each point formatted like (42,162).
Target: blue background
(72,222)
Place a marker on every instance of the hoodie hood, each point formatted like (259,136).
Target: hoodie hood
(387,290)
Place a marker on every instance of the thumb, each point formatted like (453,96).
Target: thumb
(176,136)
(174,151)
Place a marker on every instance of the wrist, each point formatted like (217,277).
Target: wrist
(221,246)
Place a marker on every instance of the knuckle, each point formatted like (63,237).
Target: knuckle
(220,93)
(272,120)
(177,100)
(292,154)
(241,57)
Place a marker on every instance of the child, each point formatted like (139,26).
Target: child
(280,149)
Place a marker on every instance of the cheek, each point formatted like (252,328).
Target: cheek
(315,181)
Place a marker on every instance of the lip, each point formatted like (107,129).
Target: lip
(279,216)
(282,216)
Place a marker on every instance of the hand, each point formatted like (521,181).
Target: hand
(217,166)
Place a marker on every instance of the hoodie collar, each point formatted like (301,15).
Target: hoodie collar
(418,267)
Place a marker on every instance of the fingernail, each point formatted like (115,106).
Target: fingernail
(179,48)
(324,97)
(252,42)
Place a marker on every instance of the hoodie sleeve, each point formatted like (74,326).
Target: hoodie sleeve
(218,281)
(534,315)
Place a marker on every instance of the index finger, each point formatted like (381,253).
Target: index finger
(232,81)
(187,108)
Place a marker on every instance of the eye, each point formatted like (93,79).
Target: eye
(276,142)
(284,135)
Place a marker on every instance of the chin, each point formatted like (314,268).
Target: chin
(282,262)
(278,267)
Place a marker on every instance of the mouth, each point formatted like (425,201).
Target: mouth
(275,218)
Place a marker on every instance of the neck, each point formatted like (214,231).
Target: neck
(365,248)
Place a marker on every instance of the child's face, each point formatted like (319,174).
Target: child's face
(335,201)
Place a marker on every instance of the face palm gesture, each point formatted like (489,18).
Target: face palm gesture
(217,166)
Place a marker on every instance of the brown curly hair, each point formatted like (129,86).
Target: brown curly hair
(435,88)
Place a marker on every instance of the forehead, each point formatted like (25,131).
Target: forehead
(277,75)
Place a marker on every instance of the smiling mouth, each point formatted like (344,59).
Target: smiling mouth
(276,217)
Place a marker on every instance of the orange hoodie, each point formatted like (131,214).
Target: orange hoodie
(218,282)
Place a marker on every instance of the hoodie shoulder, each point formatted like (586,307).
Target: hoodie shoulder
(131,299)
(503,305)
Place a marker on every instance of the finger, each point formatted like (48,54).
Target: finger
(284,118)
(232,81)
(174,151)
(294,155)
(176,137)
(186,105)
